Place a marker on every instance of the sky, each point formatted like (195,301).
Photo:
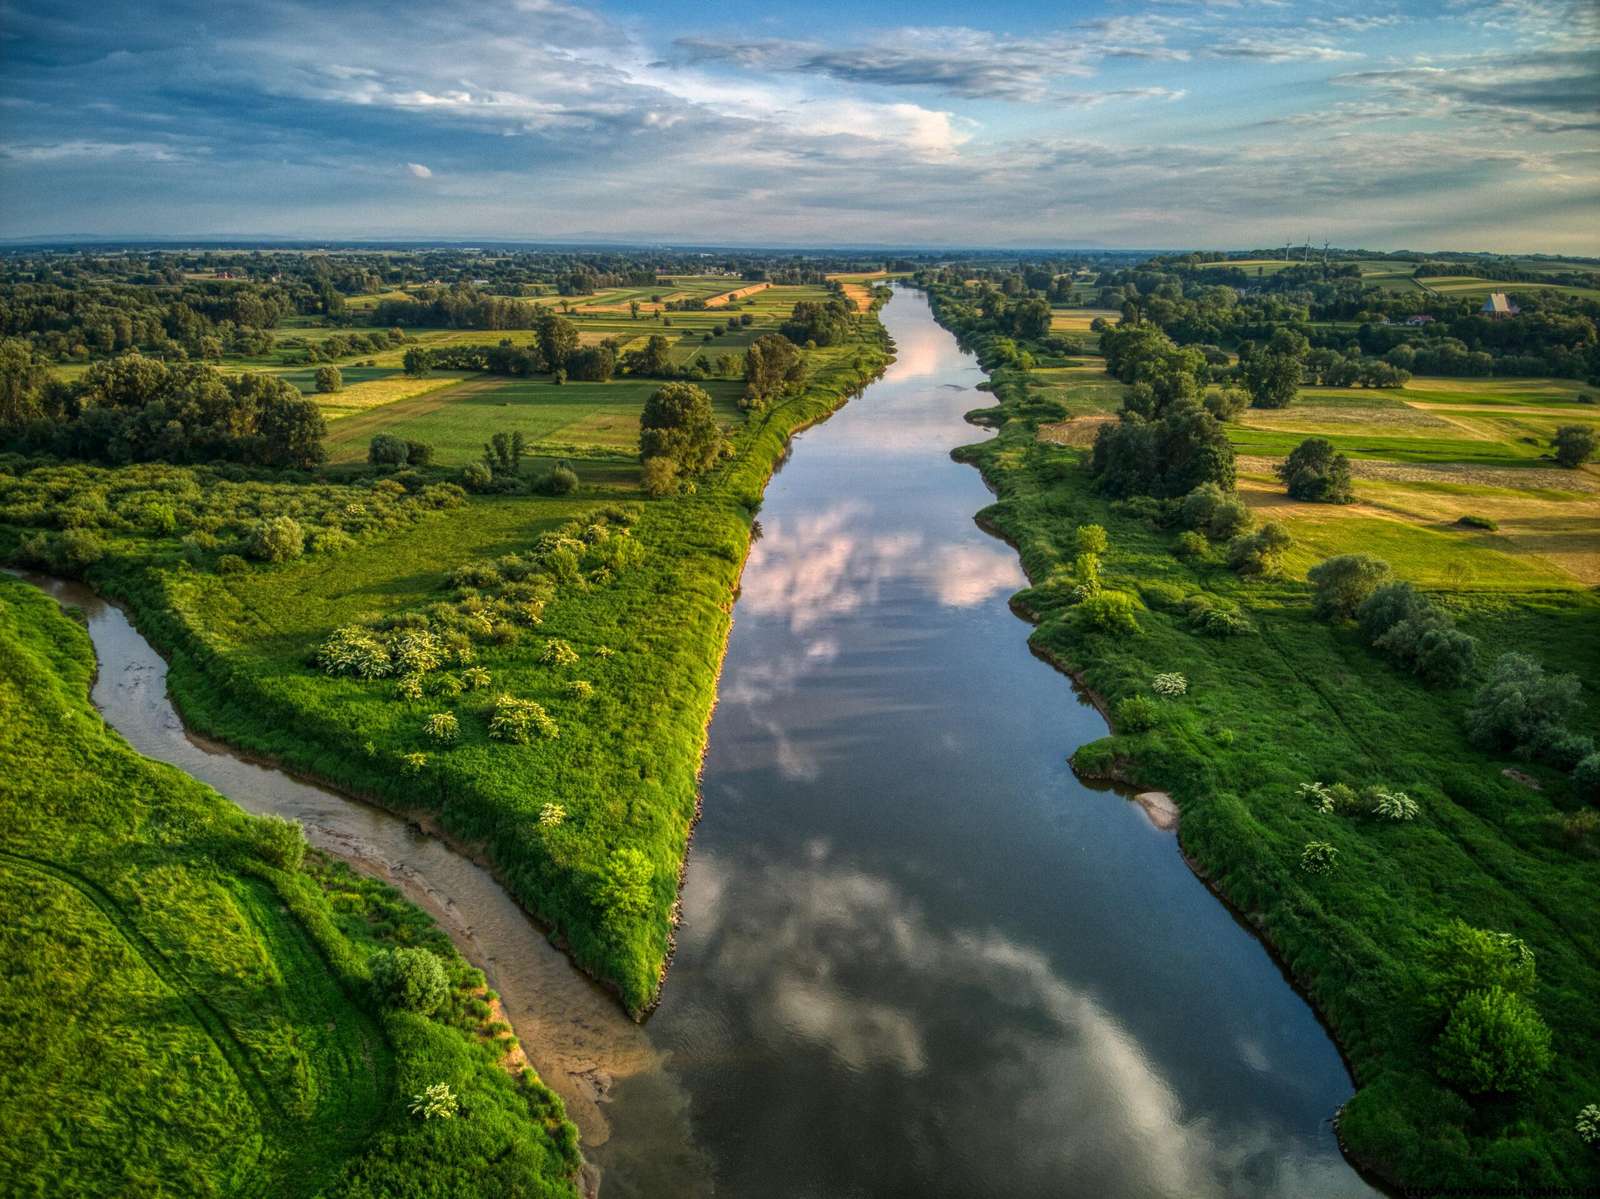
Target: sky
(1435,124)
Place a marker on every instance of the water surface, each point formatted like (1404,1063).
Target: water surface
(918,957)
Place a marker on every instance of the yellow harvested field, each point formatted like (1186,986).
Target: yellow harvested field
(361,397)
(1080,430)
(1078,320)
(855,286)
(729,297)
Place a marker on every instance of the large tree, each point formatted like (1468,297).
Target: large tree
(1272,373)
(558,340)
(677,424)
(772,365)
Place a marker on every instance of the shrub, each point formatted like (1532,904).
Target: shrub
(1494,1042)
(557,653)
(231,564)
(1478,522)
(1215,618)
(1317,795)
(1587,1126)
(356,651)
(1108,612)
(1586,777)
(1137,714)
(410,978)
(1190,546)
(475,476)
(277,539)
(1091,539)
(1519,702)
(562,480)
(330,541)
(386,449)
(659,476)
(1318,857)
(279,841)
(1169,685)
(520,720)
(1229,519)
(551,815)
(580,689)
(443,727)
(1259,553)
(413,763)
(1195,509)
(1344,582)
(625,890)
(474,678)
(1392,805)
(1315,471)
(436,1102)
(329,379)
(1458,959)
(1574,445)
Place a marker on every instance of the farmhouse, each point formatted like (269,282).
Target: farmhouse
(1420,319)
(1497,307)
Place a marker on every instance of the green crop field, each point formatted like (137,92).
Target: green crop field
(571,419)
(1470,285)
(222,1038)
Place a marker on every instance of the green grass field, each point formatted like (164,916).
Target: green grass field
(571,419)
(184,1017)
(1299,700)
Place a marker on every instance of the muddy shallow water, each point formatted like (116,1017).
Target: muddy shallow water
(919,957)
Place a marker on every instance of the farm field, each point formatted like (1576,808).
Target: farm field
(565,420)
(223,1039)
(1078,320)
(1477,289)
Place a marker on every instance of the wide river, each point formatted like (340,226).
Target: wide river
(918,957)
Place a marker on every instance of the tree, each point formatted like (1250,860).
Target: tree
(1272,375)
(503,453)
(1494,1042)
(823,323)
(772,366)
(677,424)
(558,339)
(1343,582)
(416,362)
(1459,958)
(592,364)
(22,384)
(1317,472)
(653,361)
(329,379)
(1574,445)
(410,978)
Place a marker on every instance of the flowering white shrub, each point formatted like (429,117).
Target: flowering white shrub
(474,678)
(520,720)
(557,653)
(1170,685)
(1318,857)
(551,815)
(1392,805)
(438,1101)
(1318,795)
(442,726)
(580,689)
(1588,1125)
(414,763)
(355,651)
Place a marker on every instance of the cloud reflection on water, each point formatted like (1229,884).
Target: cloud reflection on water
(837,969)
(821,566)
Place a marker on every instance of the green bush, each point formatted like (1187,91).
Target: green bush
(1260,553)
(1317,472)
(1107,612)
(561,480)
(1318,857)
(329,379)
(386,449)
(1494,1042)
(410,978)
(1459,959)
(232,564)
(1574,445)
(475,476)
(1344,582)
(277,539)
(520,720)
(279,841)
(443,727)
(1520,702)
(1586,777)
(1479,522)
(1137,714)
(1191,546)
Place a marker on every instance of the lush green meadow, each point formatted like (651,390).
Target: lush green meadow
(621,758)
(189,1012)
(1298,700)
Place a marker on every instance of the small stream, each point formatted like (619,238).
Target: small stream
(918,957)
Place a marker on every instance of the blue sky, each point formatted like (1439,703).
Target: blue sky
(1469,124)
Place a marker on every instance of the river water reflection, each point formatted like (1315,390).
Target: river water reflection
(918,957)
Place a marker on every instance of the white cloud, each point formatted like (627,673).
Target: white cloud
(417,170)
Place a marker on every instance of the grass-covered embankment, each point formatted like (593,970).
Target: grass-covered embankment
(1299,700)
(622,762)
(190,1012)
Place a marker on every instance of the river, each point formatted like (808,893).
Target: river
(918,957)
